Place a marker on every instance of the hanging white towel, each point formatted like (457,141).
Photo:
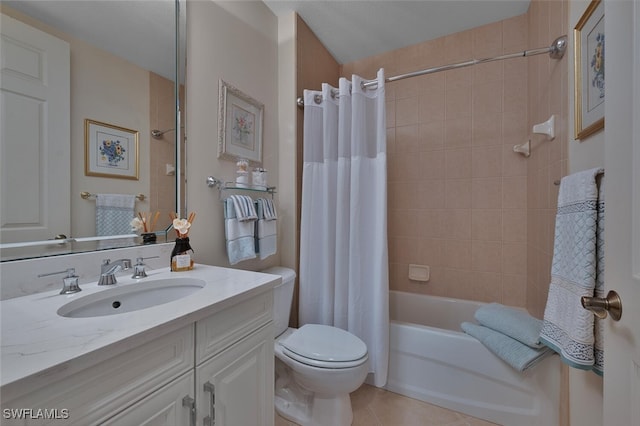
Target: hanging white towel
(268,208)
(267,230)
(244,206)
(240,235)
(114,213)
(577,266)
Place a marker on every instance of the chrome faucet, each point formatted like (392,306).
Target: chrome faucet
(108,270)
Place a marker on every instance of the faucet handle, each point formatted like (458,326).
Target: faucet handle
(69,283)
(138,268)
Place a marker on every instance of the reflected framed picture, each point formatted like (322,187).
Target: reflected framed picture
(589,71)
(110,151)
(240,121)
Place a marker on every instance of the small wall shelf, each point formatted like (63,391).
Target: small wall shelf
(232,186)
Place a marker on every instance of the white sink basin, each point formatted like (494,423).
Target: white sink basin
(133,297)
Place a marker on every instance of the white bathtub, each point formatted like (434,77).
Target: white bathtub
(431,360)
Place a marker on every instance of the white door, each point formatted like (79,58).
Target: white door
(34,135)
(622,212)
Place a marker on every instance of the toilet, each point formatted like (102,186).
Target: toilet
(316,366)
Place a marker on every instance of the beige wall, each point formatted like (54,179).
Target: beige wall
(236,42)
(457,192)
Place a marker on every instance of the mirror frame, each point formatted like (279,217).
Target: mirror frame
(23,251)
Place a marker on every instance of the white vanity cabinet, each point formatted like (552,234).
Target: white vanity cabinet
(162,382)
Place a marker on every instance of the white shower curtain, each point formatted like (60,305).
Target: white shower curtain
(343,243)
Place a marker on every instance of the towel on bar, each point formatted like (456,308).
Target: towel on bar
(515,323)
(245,209)
(267,230)
(240,235)
(516,354)
(578,264)
(268,208)
(114,213)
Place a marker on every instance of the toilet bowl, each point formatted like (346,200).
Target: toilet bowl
(317,366)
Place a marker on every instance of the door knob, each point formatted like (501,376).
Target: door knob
(601,305)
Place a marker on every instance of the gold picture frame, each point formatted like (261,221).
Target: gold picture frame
(240,125)
(110,151)
(589,37)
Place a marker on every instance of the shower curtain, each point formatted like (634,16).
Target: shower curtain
(343,238)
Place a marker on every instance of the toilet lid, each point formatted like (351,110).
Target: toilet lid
(325,343)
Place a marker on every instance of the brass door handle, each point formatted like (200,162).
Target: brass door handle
(601,305)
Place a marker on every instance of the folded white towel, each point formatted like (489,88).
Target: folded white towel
(244,207)
(268,208)
(267,230)
(240,236)
(515,323)
(516,354)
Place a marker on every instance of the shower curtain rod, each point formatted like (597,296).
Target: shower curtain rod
(555,51)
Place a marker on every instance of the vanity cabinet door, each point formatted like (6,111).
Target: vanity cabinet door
(235,387)
(168,406)
(94,395)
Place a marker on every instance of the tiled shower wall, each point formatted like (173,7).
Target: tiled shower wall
(457,191)
(460,201)
(548,94)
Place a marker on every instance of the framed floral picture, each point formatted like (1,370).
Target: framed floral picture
(110,151)
(589,51)
(240,125)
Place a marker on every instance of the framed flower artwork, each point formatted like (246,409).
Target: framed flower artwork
(110,151)
(589,37)
(240,125)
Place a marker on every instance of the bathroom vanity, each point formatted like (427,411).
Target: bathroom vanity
(207,355)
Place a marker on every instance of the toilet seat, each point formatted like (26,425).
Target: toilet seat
(324,346)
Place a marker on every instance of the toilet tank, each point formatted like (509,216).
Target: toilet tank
(282,297)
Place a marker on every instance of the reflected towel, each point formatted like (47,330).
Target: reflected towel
(267,230)
(114,213)
(517,355)
(577,265)
(515,323)
(240,236)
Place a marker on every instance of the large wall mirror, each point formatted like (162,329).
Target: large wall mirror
(119,66)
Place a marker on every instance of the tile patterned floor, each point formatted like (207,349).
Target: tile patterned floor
(377,407)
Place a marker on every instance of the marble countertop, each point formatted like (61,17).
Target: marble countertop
(39,344)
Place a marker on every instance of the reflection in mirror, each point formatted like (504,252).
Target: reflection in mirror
(66,63)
